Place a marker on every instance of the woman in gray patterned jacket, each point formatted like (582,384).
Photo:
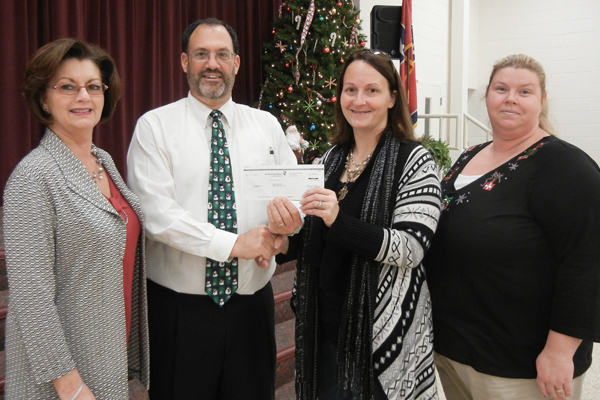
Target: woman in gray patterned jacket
(76,325)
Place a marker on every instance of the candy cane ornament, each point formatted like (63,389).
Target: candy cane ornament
(307,23)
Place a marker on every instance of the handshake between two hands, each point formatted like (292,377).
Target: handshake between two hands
(263,242)
(284,219)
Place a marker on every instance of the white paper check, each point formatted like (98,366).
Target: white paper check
(268,181)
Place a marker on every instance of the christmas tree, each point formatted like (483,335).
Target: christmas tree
(311,40)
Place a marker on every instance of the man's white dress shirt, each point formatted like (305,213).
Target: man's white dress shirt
(168,167)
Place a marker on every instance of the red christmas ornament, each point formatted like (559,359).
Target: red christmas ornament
(333,99)
(339,4)
(341,60)
(287,65)
(362,44)
(290,89)
(326,50)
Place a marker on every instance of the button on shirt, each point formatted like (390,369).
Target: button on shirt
(168,166)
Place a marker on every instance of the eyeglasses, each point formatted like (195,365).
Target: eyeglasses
(93,89)
(380,53)
(377,52)
(204,56)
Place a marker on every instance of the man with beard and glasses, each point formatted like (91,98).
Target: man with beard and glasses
(209,251)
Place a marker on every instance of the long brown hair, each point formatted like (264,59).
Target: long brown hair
(398,121)
(525,62)
(48,59)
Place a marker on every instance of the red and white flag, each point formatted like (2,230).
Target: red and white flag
(407,60)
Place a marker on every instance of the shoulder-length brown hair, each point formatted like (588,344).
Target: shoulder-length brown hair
(48,59)
(398,121)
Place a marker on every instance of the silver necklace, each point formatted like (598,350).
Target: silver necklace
(126,217)
(97,175)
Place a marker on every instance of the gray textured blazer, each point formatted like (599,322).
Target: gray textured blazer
(64,250)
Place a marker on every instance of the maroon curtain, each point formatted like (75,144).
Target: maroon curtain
(143,37)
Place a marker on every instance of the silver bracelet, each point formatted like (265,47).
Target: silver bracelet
(78,391)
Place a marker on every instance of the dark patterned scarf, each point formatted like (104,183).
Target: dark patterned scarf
(356,329)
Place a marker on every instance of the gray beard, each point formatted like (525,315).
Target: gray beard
(210,91)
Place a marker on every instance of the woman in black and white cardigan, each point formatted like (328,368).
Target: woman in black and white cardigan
(363,311)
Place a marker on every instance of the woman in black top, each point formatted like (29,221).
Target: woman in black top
(363,315)
(514,268)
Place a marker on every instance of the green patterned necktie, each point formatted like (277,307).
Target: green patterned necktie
(221,277)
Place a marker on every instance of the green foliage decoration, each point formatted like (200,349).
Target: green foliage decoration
(311,39)
(439,151)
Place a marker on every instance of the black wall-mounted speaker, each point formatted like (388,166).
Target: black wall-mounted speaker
(386,28)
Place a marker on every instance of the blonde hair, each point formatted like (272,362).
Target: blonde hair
(525,62)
